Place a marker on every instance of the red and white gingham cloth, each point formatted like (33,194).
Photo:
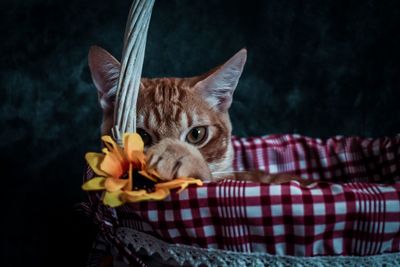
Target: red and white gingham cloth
(351,213)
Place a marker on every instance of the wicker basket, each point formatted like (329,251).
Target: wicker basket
(349,216)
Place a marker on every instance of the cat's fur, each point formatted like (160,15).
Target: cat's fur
(169,108)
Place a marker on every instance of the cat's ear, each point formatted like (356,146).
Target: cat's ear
(218,86)
(105,71)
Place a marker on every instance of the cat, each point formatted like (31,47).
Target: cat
(184,122)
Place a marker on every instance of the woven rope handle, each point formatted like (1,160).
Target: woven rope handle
(131,68)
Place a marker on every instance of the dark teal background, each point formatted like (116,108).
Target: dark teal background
(316,68)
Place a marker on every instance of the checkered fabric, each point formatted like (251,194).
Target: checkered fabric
(353,208)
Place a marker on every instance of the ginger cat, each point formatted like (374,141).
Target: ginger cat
(184,122)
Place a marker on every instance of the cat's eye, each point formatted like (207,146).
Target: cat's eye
(146,137)
(197,135)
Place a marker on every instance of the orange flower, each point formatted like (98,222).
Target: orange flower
(120,170)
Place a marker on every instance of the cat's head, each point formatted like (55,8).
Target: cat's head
(193,110)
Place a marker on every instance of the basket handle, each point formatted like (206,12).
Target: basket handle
(131,68)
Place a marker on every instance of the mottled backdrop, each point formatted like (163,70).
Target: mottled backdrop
(317,68)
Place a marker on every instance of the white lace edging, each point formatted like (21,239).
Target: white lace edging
(195,256)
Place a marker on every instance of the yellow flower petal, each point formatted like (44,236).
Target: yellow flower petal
(158,194)
(113,199)
(113,184)
(111,165)
(132,142)
(140,195)
(129,184)
(135,193)
(153,173)
(113,147)
(148,176)
(96,183)
(94,160)
(138,159)
(182,182)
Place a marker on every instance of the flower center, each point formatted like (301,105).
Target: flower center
(125,175)
(141,182)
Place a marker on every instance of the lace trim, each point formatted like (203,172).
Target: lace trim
(194,256)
